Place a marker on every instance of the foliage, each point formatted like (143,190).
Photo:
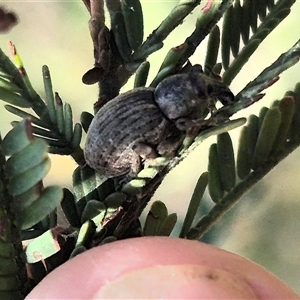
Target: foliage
(97,211)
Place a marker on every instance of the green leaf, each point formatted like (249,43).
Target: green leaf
(85,119)
(39,209)
(42,247)
(261,116)
(69,208)
(226,161)
(119,29)
(238,20)
(226,36)
(155,217)
(13,98)
(214,184)
(29,157)
(92,209)
(266,137)
(212,47)
(24,181)
(287,110)
(167,225)
(68,118)
(243,158)
(59,114)
(9,85)
(76,138)
(24,115)
(86,232)
(194,204)
(141,74)
(133,17)
(28,197)
(18,138)
(49,94)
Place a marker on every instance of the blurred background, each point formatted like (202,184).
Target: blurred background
(265,225)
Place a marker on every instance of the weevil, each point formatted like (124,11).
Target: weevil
(148,122)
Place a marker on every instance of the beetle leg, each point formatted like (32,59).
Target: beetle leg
(169,146)
(143,150)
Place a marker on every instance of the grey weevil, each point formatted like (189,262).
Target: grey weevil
(145,122)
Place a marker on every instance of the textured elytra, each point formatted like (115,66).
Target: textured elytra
(126,128)
(145,122)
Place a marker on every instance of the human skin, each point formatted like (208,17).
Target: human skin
(160,268)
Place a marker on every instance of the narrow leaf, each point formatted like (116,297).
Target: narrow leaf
(167,225)
(194,204)
(266,137)
(76,138)
(133,17)
(261,116)
(253,15)
(287,109)
(236,27)
(142,74)
(262,9)
(226,36)
(214,183)
(13,98)
(85,120)
(120,34)
(59,113)
(86,232)
(212,47)
(245,21)
(226,161)
(253,130)
(69,208)
(9,85)
(68,118)
(49,94)
(243,159)
(24,115)
(157,214)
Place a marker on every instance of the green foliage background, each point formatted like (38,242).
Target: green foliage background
(266,223)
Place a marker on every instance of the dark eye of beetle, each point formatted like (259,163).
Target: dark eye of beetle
(227,98)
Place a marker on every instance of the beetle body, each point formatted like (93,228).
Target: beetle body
(146,122)
(127,128)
